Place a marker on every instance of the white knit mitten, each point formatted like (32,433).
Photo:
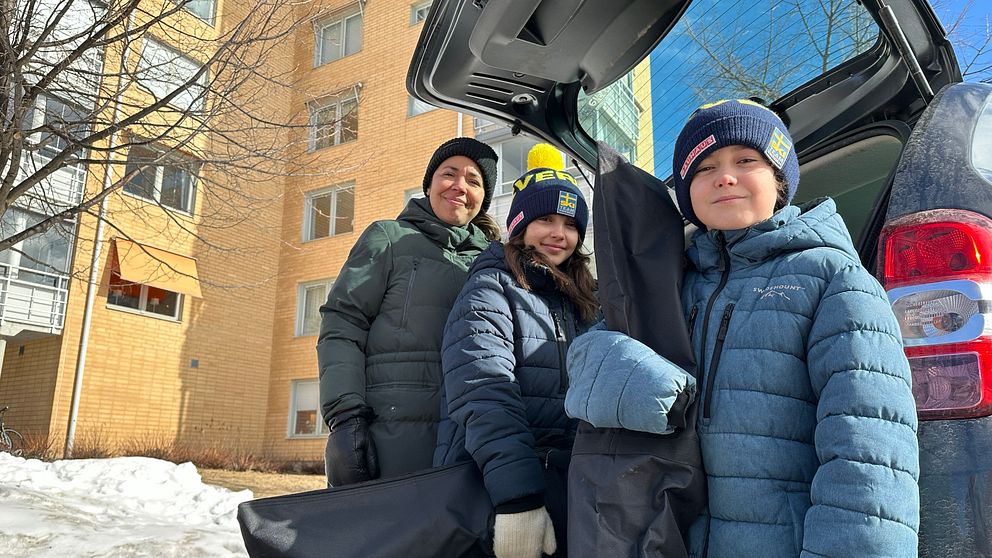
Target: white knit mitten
(524,535)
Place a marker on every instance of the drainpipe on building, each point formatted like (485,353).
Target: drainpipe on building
(92,287)
(460,118)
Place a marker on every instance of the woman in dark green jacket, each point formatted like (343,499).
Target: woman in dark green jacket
(380,335)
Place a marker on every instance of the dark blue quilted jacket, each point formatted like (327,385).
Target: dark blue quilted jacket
(503,357)
(806,421)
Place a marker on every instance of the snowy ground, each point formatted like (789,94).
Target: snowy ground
(123,507)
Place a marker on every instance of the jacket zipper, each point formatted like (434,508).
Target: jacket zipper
(721,335)
(560,336)
(725,268)
(409,293)
(692,319)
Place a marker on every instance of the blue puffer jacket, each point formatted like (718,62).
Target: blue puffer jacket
(807,421)
(503,357)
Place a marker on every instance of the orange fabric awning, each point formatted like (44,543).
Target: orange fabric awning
(140,263)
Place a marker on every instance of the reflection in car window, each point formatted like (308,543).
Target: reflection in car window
(981,146)
(723,49)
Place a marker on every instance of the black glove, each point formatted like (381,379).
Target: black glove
(351,455)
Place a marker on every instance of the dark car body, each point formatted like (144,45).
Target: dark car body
(886,127)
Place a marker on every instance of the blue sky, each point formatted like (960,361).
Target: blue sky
(971,30)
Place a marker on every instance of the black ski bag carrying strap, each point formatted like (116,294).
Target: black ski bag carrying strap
(652,485)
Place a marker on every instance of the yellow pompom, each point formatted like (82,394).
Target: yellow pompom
(544,155)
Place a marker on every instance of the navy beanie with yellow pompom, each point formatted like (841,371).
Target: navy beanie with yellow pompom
(725,123)
(545,189)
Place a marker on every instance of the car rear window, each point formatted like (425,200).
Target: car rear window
(981,149)
(722,49)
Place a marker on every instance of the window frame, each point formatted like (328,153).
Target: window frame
(301,304)
(143,301)
(198,102)
(308,209)
(321,429)
(504,185)
(412,103)
(47,145)
(335,103)
(24,262)
(210,19)
(338,18)
(412,193)
(158,167)
(415,11)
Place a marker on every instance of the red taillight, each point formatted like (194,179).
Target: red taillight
(937,268)
(934,251)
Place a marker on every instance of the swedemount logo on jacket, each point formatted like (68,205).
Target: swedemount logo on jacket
(777,291)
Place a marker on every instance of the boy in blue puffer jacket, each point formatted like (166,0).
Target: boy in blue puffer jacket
(806,417)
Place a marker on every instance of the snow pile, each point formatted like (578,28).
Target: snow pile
(128,506)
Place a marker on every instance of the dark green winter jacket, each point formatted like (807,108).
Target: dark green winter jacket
(380,331)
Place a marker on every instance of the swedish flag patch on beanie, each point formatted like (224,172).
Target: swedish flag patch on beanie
(545,189)
(731,122)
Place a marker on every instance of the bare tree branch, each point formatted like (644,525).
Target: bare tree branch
(102,102)
(805,44)
(970,31)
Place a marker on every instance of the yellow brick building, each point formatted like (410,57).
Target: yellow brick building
(236,367)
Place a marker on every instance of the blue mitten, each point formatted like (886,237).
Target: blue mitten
(615,381)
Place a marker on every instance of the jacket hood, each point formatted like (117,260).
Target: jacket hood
(792,229)
(418,213)
(493,257)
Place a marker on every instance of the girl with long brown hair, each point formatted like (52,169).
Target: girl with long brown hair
(503,357)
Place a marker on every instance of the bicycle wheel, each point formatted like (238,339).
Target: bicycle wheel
(12,441)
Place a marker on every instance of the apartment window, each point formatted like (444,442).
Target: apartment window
(150,281)
(513,162)
(52,114)
(338,37)
(416,106)
(169,179)
(162,70)
(411,193)
(203,9)
(61,116)
(41,258)
(329,212)
(311,296)
(333,120)
(144,299)
(304,415)
(418,12)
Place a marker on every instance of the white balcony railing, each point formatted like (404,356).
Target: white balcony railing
(32,300)
(59,190)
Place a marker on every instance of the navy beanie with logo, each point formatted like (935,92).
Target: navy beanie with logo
(482,154)
(545,191)
(731,122)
